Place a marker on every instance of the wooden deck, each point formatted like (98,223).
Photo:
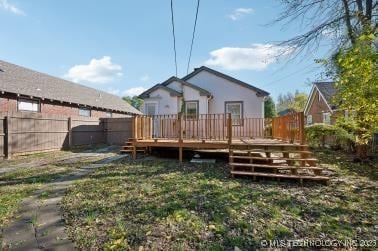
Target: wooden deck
(280,155)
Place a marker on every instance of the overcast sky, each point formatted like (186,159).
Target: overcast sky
(125,46)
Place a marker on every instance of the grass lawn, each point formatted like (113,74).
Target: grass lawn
(23,175)
(158,204)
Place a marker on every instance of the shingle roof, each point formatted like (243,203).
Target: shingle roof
(146,94)
(202,91)
(286,111)
(328,90)
(259,91)
(23,81)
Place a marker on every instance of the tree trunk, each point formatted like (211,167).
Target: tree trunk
(362,151)
(369,9)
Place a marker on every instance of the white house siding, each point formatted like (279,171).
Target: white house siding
(223,90)
(166,104)
(191,94)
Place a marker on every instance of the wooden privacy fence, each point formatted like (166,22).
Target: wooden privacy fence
(33,132)
(203,127)
(289,128)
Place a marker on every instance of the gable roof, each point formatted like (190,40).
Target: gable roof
(259,92)
(202,91)
(172,92)
(326,91)
(19,80)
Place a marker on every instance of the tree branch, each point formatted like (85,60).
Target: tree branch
(348,22)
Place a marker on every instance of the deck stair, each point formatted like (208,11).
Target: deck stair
(129,147)
(286,161)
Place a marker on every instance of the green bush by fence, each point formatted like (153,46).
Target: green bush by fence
(322,135)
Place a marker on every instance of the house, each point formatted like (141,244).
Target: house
(25,90)
(205,91)
(320,107)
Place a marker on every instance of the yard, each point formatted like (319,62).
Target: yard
(157,204)
(22,176)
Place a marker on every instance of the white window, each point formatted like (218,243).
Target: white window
(150,109)
(109,114)
(191,109)
(236,110)
(85,112)
(309,119)
(29,105)
(326,118)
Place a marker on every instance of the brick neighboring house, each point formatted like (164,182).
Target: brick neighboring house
(319,107)
(25,90)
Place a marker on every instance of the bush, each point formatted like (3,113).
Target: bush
(322,135)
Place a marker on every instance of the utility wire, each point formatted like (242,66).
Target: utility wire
(174,36)
(291,74)
(194,31)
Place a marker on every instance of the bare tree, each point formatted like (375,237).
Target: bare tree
(344,20)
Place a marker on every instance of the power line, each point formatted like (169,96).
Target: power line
(291,74)
(194,31)
(174,36)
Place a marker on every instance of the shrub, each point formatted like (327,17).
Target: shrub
(322,135)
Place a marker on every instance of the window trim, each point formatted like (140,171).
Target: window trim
(241,102)
(191,101)
(156,104)
(85,108)
(324,114)
(28,99)
(309,116)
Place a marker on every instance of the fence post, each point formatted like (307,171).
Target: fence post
(69,127)
(229,128)
(7,145)
(301,128)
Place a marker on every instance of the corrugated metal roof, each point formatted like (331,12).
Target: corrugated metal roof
(23,81)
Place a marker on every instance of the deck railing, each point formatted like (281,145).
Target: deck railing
(203,127)
(289,128)
(218,127)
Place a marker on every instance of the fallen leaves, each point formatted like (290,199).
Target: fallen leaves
(162,205)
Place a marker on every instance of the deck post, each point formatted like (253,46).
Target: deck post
(229,129)
(135,127)
(179,125)
(142,121)
(301,128)
(135,134)
(180,154)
